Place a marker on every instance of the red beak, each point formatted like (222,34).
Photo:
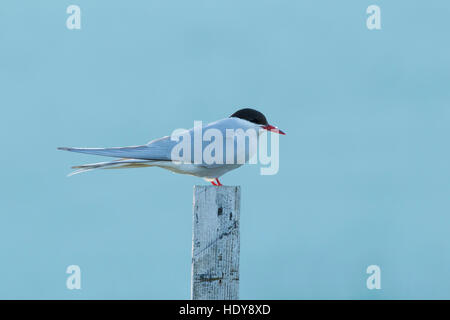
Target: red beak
(273,129)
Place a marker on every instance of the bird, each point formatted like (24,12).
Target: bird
(159,152)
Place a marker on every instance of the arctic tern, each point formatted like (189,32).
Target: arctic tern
(159,152)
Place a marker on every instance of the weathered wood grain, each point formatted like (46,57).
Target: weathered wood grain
(215,243)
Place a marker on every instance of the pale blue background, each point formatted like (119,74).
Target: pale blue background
(364,168)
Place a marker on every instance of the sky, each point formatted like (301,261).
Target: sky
(364,172)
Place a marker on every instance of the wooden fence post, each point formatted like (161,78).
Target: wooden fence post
(215,243)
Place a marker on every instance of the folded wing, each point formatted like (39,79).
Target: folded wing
(155,150)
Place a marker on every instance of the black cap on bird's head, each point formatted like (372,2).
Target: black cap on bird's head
(255,117)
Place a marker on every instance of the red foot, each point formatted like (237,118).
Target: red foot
(217,183)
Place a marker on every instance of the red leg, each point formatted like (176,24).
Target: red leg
(214,184)
(218,182)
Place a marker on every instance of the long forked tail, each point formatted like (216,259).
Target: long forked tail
(152,151)
(117,164)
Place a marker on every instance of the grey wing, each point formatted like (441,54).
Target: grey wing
(158,149)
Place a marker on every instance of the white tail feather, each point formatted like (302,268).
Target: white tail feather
(117,164)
